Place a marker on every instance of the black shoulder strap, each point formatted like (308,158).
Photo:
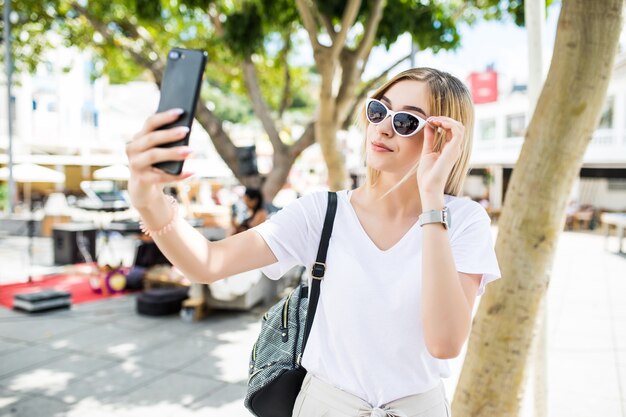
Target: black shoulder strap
(319,267)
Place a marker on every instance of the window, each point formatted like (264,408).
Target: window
(606,120)
(617,184)
(487,129)
(515,125)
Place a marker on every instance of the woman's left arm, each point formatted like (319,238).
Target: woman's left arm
(447,295)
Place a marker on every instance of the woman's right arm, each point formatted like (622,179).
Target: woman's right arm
(196,257)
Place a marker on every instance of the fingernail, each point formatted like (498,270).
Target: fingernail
(185,151)
(176,111)
(182,130)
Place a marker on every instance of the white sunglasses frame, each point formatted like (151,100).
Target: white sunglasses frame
(391,113)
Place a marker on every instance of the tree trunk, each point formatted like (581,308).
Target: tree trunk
(534,20)
(326,132)
(567,113)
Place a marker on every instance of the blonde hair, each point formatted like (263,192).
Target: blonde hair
(448,97)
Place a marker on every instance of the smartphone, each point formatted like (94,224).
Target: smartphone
(179,89)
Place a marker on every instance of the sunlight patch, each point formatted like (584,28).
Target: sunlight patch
(162,409)
(123,349)
(44,380)
(4,401)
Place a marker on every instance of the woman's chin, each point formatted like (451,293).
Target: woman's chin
(380,164)
(376,163)
(388,167)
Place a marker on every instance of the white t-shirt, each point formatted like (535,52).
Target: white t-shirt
(367,337)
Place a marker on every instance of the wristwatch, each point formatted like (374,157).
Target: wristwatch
(436,216)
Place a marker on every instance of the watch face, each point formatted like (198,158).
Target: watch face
(446,217)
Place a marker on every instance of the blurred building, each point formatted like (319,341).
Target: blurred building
(501,121)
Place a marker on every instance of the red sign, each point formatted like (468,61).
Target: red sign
(484,86)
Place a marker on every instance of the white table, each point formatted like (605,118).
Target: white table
(619,221)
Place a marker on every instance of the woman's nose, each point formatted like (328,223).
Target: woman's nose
(385,128)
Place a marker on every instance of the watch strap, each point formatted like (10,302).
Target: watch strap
(435,216)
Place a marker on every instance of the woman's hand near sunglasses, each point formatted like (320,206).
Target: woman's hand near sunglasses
(435,166)
(146,182)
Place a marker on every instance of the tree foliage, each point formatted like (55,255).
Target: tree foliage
(255,48)
(151,28)
(249,27)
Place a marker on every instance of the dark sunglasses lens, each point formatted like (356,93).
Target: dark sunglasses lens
(405,124)
(376,112)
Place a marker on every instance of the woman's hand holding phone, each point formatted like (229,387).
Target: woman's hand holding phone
(146,182)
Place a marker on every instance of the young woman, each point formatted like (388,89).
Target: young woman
(406,260)
(255,212)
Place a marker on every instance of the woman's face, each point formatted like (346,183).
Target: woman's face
(386,151)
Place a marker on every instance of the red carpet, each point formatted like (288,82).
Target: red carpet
(75,283)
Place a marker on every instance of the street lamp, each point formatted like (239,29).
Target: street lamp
(9,64)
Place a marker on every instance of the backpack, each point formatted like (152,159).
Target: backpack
(275,373)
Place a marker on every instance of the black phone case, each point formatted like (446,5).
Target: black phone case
(179,89)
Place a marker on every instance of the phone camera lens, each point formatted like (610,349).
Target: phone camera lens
(174,55)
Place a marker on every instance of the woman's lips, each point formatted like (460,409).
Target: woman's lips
(379,147)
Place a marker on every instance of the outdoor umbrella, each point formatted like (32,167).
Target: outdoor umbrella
(32,173)
(113,173)
(28,173)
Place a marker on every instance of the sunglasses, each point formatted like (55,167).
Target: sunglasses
(403,123)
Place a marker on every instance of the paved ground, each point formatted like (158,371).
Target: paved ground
(102,359)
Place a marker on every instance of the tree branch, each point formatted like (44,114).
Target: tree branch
(370,30)
(369,84)
(460,10)
(214,15)
(347,20)
(258,103)
(222,142)
(135,30)
(367,87)
(286,96)
(211,123)
(220,139)
(328,25)
(306,139)
(307,10)
(155,67)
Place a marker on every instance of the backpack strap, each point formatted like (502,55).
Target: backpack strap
(319,267)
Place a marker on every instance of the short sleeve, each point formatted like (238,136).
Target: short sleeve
(288,234)
(473,249)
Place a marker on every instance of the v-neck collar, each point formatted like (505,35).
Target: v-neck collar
(355,217)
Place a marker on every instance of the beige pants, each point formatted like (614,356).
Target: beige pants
(319,399)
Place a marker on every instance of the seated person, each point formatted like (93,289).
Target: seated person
(255,212)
